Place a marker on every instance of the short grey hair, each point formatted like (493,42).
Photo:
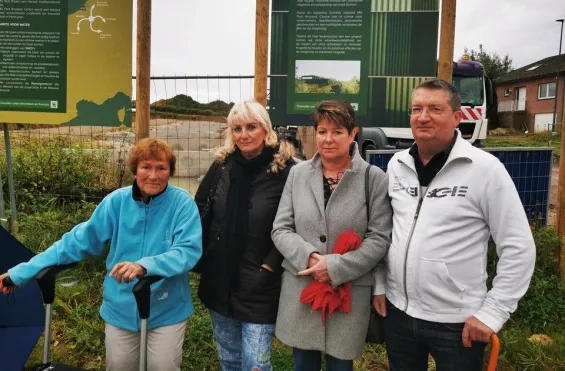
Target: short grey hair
(451,91)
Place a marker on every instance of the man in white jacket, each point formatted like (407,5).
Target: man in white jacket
(448,197)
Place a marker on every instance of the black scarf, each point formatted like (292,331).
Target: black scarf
(242,173)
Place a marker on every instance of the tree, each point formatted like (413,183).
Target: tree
(494,64)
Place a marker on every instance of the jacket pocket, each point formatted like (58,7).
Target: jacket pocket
(438,291)
(259,284)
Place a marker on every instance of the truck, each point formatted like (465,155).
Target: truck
(478,105)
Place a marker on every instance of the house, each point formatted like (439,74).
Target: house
(530,93)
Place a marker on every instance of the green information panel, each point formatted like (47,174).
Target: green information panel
(371,53)
(33,55)
(328,53)
(66,62)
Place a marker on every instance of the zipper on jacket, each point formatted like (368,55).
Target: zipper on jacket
(146,209)
(408,247)
(415,220)
(416,214)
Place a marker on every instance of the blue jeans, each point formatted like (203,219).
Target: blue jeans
(409,340)
(311,360)
(242,345)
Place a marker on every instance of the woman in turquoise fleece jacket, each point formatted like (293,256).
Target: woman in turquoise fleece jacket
(153,229)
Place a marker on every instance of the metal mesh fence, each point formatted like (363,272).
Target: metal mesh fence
(57,163)
(529,168)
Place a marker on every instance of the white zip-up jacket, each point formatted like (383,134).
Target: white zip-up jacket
(435,269)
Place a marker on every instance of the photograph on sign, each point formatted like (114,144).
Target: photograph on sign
(327,77)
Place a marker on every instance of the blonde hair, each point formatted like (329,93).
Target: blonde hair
(248,111)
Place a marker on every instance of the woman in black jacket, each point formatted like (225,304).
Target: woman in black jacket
(241,268)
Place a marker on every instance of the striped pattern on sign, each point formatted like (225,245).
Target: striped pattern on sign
(404,5)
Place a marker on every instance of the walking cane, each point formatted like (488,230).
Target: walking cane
(494,351)
(142,293)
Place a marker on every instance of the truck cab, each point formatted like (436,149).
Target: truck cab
(477,99)
(478,104)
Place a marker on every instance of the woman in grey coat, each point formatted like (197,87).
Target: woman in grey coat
(324,197)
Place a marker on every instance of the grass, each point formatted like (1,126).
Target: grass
(514,139)
(78,336)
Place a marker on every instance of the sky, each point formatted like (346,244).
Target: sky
(217,37)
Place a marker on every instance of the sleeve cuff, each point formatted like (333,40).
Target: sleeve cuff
(379,290)
(380,280)
(147,265)
(16,278)
(332,262)
(489,317)
(303,263)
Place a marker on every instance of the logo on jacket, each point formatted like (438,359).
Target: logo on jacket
(401,184)
(456,191)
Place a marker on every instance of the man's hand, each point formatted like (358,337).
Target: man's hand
(5,290)
(379,303)
(127,271)
(319,270)
(475,330)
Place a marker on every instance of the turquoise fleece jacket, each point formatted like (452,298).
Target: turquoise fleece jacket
(164,236)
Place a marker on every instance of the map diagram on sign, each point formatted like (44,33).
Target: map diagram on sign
(91,20)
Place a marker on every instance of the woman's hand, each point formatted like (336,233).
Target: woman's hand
(127,271)
(6,290)
(312,261)
(267,267)
(319,270)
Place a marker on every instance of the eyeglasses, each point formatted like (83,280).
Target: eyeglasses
(432,111)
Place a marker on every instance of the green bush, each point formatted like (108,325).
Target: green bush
(56,170)
(39,230)
(541,309)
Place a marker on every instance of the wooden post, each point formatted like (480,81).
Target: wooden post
(261,50)
(561,195)
(143,69)
(446,40)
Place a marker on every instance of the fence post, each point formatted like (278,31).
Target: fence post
(561,200)
(446,40)
(261,50)
(143,70)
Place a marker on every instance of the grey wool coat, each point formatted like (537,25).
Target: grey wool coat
(303,226)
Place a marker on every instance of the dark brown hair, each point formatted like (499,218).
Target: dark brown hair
(451,91)
(338,111)
(151,149)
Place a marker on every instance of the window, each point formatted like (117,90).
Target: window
(533,67)
(546,91)
(507,92)
(471,90)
